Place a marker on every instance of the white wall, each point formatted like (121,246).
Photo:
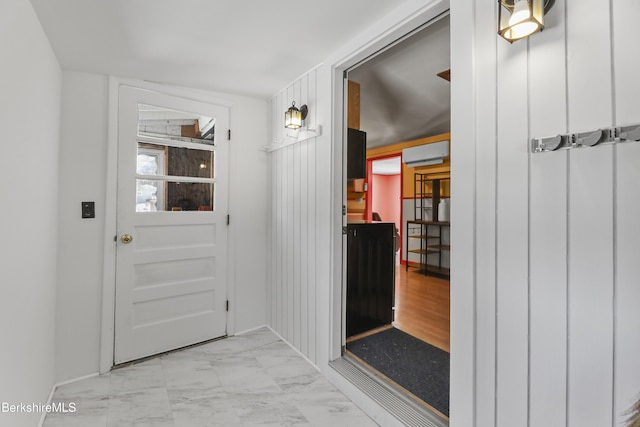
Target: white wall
(83,149)
(543,243)
(30,82)
(249,203)
(298,222)
(83,163)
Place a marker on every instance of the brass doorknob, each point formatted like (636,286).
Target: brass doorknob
(126,238)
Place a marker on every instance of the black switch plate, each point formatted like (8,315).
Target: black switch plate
(88,209)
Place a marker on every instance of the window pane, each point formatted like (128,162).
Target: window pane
(150,160)
(149,195)
(157,195)
(191,163)
(180,161)
(147,165)
(162,122)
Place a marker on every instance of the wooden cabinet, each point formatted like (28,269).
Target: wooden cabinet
(370,276)
(356,154)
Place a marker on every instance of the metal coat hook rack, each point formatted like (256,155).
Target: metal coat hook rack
(610,135)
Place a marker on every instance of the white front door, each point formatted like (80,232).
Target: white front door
(171,271)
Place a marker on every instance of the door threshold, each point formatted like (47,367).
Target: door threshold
(368,333)
(156,355)
(393,400)
(393,384)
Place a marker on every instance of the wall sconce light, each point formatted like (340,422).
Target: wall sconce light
(518,19)
(293,117)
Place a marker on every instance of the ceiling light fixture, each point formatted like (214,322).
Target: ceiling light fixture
(518,19)
(293,117)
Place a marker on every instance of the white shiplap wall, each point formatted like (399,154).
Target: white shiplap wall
(553,290)
(294,179)
(545,272)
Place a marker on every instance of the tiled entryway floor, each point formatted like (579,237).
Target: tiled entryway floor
(254,379)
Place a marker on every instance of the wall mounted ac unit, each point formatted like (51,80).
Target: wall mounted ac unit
(427,154)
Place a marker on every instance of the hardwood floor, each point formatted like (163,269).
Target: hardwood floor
(422,306)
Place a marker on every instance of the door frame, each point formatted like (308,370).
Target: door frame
(370,187)
(406,19)
(339,67)
(107,336)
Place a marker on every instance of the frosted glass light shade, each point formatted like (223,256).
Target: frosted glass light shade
(293,117)
(520,18)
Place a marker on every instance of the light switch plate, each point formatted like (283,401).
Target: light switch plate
(88,209)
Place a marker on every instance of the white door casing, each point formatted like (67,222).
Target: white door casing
(171,279)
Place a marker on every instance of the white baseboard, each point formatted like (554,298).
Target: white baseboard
(60,384)
(250,330)
(296,350)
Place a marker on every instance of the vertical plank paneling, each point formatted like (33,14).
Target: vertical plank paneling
(294,237)
(312,237)
(279,117)
(312,100)
(512,253)
(304,215)
(297,90)
(296,247)
(277,128)
(275,103)
(485,250)
(273,258)
(577,289)
(627,268)
(272,224)
(590,360)
(304,97)
(548,228)
(304,250)
(590,287)
(626,31)
(588,64)
(288,225)
(286,202)
(313,185)
(627,350)
(324,238)
(548,290)
(279,285)
(285,249)
(290,238)
(280,243)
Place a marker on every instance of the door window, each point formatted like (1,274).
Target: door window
(175,161)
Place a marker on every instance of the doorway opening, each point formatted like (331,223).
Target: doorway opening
(397,287)
(385,189)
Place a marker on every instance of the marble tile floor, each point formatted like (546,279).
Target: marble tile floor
(253,379)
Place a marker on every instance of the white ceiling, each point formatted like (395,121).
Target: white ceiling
(252,47)
(256,48)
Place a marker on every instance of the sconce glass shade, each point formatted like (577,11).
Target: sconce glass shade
(293,117)
(518,19)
